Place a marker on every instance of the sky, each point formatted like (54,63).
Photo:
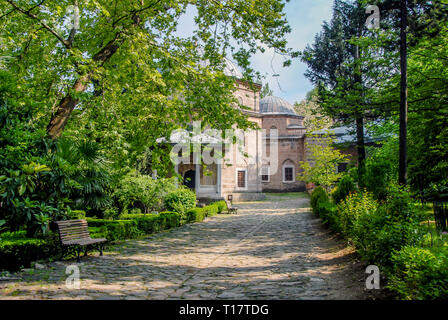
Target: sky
(305,18)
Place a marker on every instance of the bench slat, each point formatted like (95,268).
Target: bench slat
(75,232)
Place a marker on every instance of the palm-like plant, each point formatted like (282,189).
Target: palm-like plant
(87,172)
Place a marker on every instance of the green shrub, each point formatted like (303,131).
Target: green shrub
(142,191)
(172,219)
(180,201)
(15,235)
(318,195)
(151,223)
(378,175)
(211,210)
(351,208)
(147,223)
(345,186)
(111,213)
(329,214)
(419,274)
(135,211)
(393,225)
(221,205)
(76,214)
(17,251)
(196,215)
(113,229)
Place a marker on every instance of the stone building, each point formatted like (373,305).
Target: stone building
(264,161)
(279,115)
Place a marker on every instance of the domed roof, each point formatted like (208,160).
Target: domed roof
(232,70)
(276,105)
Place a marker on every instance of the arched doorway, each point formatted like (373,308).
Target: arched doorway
(190,179)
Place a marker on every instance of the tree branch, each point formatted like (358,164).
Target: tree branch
(43,24)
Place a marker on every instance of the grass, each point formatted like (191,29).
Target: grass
(433,238)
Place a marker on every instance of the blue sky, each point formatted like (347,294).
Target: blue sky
(305,18)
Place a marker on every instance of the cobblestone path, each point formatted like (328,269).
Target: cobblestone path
(273,249)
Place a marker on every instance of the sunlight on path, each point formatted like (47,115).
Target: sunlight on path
(273,249)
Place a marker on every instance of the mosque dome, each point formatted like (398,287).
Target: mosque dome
(276,105)
(232,70)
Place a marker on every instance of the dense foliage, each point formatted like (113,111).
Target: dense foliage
(344,187)
(180,200)
(322,160)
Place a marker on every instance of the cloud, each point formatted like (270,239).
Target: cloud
(306,18)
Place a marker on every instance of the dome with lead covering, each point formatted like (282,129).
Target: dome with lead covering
(276,105)
(232,70)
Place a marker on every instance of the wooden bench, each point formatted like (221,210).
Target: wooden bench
(231,209)
(74,236)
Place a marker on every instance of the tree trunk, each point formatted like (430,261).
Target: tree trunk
(361,148)
(360,141)
(68,103)
(65,108)
(403,152)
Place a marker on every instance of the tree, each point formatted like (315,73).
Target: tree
(310,109)
(266,91)
(403,159)
(428,121)
(122,77)
(335,66)
(322,161)
(125,55)
(419,18)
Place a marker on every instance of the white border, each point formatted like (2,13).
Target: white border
(236,178)
(293,173)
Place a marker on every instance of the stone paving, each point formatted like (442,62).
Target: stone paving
(273,249)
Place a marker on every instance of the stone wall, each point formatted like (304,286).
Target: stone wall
(290,151)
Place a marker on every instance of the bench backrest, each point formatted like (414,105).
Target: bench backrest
(72,230)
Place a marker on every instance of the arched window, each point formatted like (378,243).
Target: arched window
(289,172)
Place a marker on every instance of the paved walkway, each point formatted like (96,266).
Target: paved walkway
(274,249)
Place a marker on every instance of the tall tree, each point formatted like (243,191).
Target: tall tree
(403,157)
(417,18)
(126,57)
(336,68)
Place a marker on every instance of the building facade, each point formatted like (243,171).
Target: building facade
(264,160)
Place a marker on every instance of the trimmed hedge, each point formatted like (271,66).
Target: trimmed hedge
(150,223)
(17,251)
(113,229)
(221,205)
(196,215)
